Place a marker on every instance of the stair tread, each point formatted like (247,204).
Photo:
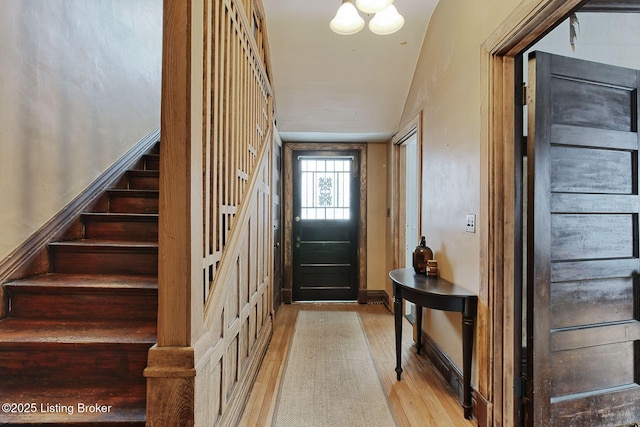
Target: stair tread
(122,215)
(26,331)
(104,243)
(133,191)
(150,172)
(89,281)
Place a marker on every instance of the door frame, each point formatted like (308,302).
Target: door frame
(398,205)
(287,274)
(528,22)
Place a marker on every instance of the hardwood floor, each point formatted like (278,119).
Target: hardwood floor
(420,399)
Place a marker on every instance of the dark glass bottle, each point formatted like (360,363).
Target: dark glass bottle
(421,255)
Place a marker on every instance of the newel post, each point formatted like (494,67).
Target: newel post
(170,368)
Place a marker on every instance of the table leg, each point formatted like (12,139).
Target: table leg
(467,354)
(418,329)
(397,308)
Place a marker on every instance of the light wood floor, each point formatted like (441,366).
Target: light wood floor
(420,399)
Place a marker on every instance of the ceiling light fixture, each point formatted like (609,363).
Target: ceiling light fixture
(387,21)
(348,21)
(372,6)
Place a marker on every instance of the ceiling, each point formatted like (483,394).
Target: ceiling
(332,88)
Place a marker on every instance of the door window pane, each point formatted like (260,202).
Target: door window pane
(325,190)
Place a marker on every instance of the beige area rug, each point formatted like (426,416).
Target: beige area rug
(330,378)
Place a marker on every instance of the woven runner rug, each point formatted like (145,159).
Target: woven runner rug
(330,378)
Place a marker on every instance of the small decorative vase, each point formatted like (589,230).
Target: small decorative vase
(421,255)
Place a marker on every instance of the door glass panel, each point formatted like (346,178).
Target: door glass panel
(325,188)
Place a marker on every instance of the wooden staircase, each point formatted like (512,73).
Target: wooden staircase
(74,344)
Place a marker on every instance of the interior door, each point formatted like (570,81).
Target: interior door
(410,163)
(583,246)
(325,225)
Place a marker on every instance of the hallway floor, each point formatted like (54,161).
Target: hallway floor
(420,399)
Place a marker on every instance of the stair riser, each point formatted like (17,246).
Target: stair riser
(140,231)
(74,261)
(120,203)
(151,162)
(89,306)
(44,360)
(143,182)
(139,180)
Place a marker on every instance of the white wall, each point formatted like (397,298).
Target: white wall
(79,85)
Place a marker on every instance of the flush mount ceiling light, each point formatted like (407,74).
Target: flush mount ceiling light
(348,21)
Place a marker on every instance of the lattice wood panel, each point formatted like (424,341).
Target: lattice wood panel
(237,111)
(236,216)
(215,274)
(239,326)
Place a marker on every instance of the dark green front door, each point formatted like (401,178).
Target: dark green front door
(325,225)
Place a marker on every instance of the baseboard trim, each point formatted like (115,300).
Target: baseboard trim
(365,296)
(452,376)
(286,296)
(481,409)
(30,257)
(443,364)
(378,297)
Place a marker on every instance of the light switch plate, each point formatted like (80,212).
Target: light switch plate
(471,223)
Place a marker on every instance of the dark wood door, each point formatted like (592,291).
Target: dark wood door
(583,247)
(325,225)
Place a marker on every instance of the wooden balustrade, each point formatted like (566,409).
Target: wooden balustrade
(215,281)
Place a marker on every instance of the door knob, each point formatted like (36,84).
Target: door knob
(296,219)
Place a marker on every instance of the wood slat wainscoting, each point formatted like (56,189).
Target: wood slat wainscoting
(420,399)
(215,269)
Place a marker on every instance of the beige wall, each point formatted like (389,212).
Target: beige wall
(377,277)
(79,85)
(446,87)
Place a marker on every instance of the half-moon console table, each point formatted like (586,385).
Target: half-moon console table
(439,294)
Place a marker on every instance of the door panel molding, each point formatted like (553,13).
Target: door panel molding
(289,149)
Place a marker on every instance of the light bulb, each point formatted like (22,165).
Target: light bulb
(347,20)
(372,6)
(386,22)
